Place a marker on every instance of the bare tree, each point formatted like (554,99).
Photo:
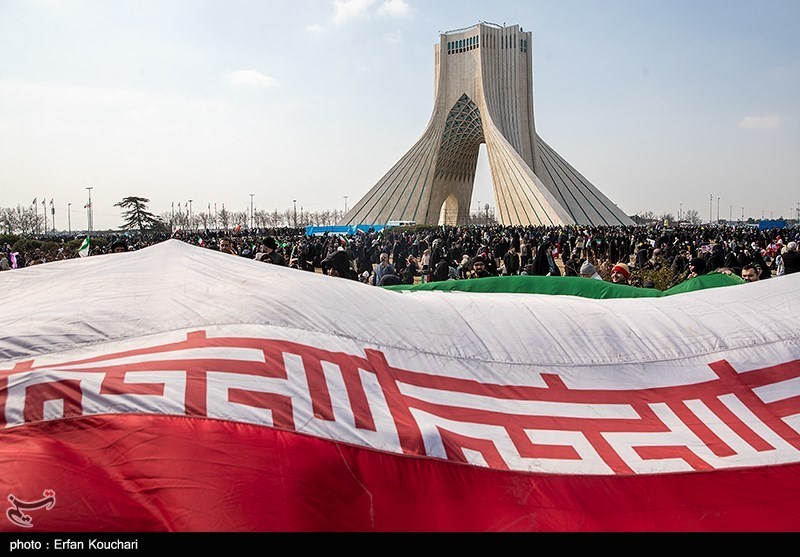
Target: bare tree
(692,217)
(29,221)
(204,219)
(9,220)
(240,218)
(666,218)
(261,218)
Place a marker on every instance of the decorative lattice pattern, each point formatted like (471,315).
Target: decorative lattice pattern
(463,134)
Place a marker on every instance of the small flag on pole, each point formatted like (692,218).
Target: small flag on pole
(34,201)
(83,251)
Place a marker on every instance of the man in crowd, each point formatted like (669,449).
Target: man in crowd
(511,261)
(268,252)
(382,268)
(118,246)
(620,273)
(479,268)
(750,273)
(791,259)
(226,246)
(589,271)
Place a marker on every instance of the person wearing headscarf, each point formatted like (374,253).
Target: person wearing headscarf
(337,264)
(697,267)
(441,271)
(543,263)
(764,271)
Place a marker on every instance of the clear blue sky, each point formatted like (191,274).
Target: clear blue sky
(661,104)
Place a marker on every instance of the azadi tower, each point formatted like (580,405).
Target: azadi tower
(484,94)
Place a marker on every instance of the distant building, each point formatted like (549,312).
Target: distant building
(484,94)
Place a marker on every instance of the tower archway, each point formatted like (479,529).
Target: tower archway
(448,215)
(484,94)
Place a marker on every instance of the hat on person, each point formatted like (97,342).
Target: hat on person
(478,259)
(270,242)
(622,268)
(587,269)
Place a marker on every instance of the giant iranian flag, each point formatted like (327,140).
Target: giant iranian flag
(178,389)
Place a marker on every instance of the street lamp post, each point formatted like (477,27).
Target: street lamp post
(345,203)
(190,213)
(295,212)
(251,210)
(711,209)
(89,211)
(69,221)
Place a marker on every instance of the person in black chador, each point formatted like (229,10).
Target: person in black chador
(337,264)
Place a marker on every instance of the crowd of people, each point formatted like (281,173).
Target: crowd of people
(642,256)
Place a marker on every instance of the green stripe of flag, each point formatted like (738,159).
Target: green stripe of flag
(83,251)
(568,286)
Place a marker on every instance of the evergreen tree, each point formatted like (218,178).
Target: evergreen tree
(136,215)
